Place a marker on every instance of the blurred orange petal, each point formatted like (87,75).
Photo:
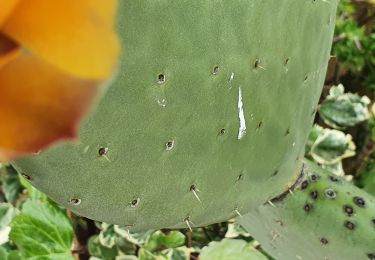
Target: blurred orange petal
(6,8)
(8,50)
(39,104)
(76,35)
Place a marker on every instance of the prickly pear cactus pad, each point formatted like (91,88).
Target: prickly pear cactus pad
(206,119)
(323,218)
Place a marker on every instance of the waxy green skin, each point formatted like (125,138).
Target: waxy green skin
(324,218)
(166,146)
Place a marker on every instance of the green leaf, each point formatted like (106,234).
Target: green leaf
(32,192)
(98,250)
(3,253)
(41,231)
(341,110)
(332,146)
(144,254)
(11,184)
(159,240)
(231,249)
(7,212)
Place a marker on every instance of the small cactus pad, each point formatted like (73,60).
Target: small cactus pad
(206,118)
(323,218)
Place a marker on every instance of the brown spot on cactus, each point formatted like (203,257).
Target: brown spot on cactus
(304,185)
(75,201)
(314,194)
(314,177)
(26,176)
(169,145)
(348,210)
(161,78)
(333,178)
(324,241)
(215,70)
(349,225)
(360,202)
(330,193)
(103,151)
(307,207)
(135,202)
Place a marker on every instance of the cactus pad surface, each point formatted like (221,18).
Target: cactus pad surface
(206,118)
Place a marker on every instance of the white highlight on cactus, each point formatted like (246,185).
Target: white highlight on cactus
(231,76)
(241,115)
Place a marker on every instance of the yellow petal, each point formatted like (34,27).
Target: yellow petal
(75,35)
(6,8)
(39,104)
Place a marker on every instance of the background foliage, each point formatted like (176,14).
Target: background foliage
(343,140)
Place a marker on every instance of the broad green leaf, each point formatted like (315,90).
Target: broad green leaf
(11,185)
(107,235)
(100,251)
(135,238)
(144,254)
(41,231)
(159,240)
(341,110)
(332,146)
(3,253)
(32,192)
(231,249)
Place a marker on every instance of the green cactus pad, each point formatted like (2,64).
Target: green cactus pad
(324,218)
(206,118)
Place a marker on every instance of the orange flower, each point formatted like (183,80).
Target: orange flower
(54,55)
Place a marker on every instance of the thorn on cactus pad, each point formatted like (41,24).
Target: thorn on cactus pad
(359,202)
(257,64)
(373,221)
(26,176)
(324,241)
(330,193)
(135,202)
(222,131)
(306,78)
(287,132)
(286,62)
(237,212)
(161,78)
(75,201)
(188,221)
(348,210)
(371,256)
(349,225)
(194,189)
(314,194)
